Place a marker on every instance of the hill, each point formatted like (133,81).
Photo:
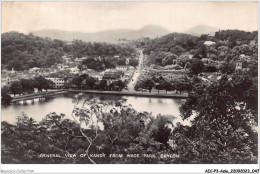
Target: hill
(22,52)
(227,45)
(151,31)
(202,29)
(173,42)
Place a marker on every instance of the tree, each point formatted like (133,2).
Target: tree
(162,128)
(167,86)
(76,80)
(191,44)
(182,84)
(111,86)
(5,97)
(90,82)
(253,70)
(210,68)
(158,86)
(16,88)
(196,66)
(48,84)
(223,124)
(80,66)
(133,62)
(121,61)
(149,84)
(103,85)
(178,50)
(109,128)
(203,51)
(169,60)
(117,85)
(27,84)
(19,51)
(42,83)
(227,67)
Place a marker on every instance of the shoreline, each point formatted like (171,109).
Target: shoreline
(123,93)
(137,94)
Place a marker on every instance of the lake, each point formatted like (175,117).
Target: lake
(63,104)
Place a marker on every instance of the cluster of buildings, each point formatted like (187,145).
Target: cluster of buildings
(243,62)
(168,74)
(121,72)
(63,69)
(62,74)
(112,76)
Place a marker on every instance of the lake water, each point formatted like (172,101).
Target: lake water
(63,104)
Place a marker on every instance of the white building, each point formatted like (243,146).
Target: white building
(122,67)
(6,81)
(239,65)
(59,81)
(111,77)
(34,70)
(209,43)
(74,70)
(168,74)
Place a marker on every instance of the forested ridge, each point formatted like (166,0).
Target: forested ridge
(21,51)
(228,46)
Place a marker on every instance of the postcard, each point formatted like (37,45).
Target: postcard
(129,82)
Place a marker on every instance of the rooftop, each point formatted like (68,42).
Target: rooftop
(113,75)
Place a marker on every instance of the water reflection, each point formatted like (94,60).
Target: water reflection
(63,104)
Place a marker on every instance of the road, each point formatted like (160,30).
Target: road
(128,93)
(136,73)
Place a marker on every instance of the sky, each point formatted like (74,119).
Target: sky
(99,16)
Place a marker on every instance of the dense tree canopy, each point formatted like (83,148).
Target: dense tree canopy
(197,66)
(226,45)
(99,64)
(5,96)
(21,52)
(124,131)
(224,127)
(28,85)
(83,81)
(236,35)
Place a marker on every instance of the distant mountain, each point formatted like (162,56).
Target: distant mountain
(202,29)
(151,31)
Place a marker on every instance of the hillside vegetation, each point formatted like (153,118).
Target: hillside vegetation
(21,52)
(227,46)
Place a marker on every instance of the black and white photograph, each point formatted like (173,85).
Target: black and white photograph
(129,82)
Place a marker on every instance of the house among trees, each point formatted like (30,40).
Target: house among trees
(58,80)
(122,67)
(240,66)
(74,70)
(34,70)
(112,76)
(79,60)
(168,74)
(8,80)
(244,57)
(209,43)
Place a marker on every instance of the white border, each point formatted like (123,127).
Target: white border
(129,168)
